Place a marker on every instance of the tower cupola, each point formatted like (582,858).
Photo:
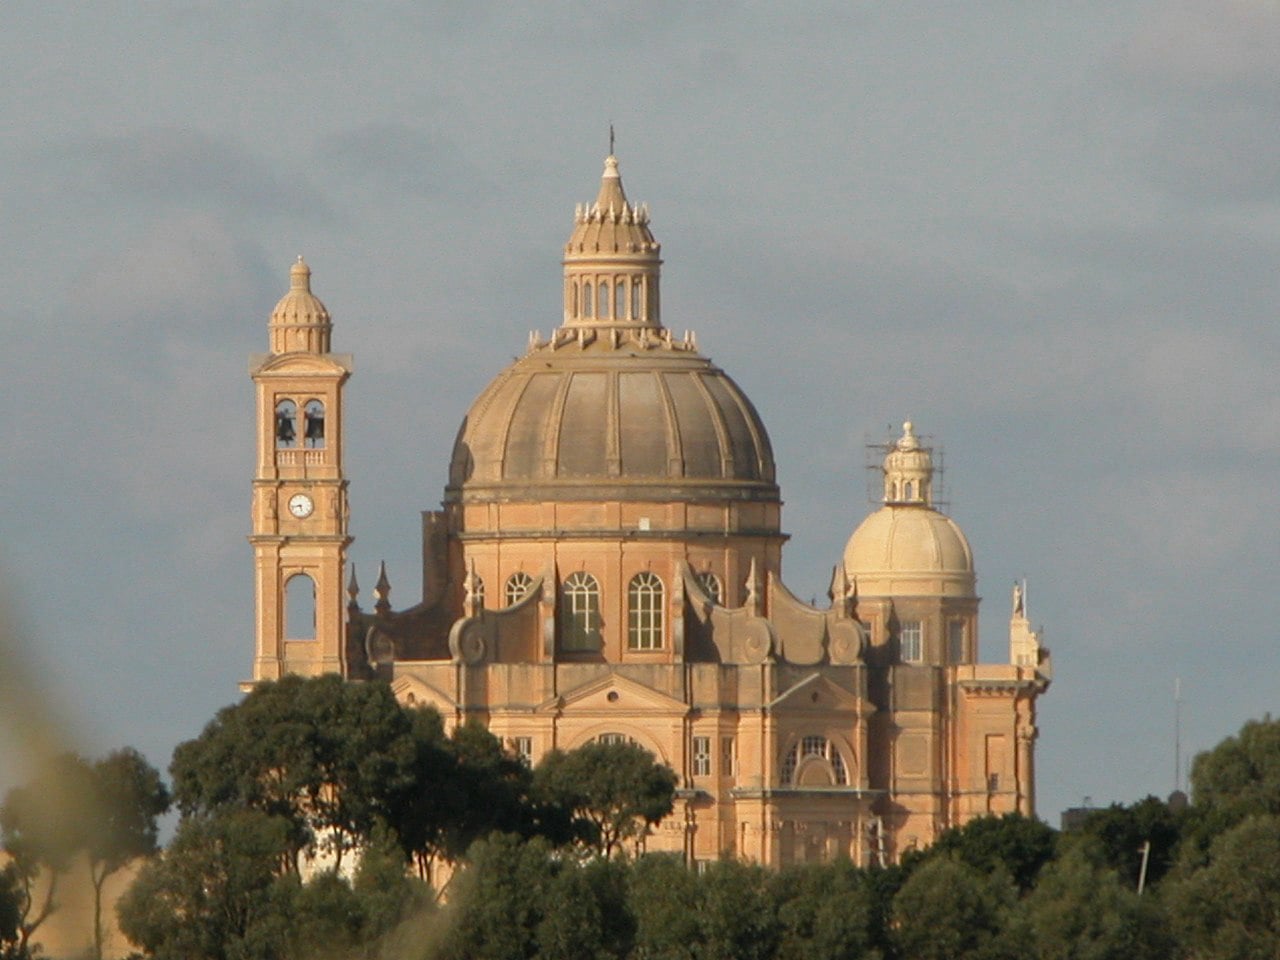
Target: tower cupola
(908,471)
(300,322)
(611,261)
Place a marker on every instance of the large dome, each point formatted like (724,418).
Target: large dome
(647,418)
(612,406)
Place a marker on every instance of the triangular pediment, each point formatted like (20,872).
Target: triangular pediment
(328,364)
(413,692)
(614,695)
(816,693)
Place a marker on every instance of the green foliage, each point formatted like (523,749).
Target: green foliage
(1228,909)
(736,914)
(216,892)
(1242,773)
(504,898)
(827,911)
(948,910)
(1016,844)
(615,791)
(663,895)
(1119,832)
(328,756)
(1082,910)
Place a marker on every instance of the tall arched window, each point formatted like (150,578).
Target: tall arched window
(644,612)
(603,303)
(518,587)
(580,612)
(635,299)
(300,608)
(619,300)
(587,290)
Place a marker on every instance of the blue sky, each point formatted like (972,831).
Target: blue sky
(1045,233)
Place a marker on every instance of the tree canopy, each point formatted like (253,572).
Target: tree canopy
(616,791)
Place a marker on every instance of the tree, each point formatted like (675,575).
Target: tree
(616,791)
(128,798)
(948,910)
(333,758)
(1014,843)
(663,897)
(1227,910)
(501,900)
(215,891)
(825,911)
(1119,832)
(1081,909)
(736,912)
(1241,775)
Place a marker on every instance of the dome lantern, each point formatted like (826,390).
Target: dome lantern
(908,471)
(611,262)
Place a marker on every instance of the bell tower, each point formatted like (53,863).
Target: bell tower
(299,511)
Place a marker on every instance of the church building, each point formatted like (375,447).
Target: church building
(607,565)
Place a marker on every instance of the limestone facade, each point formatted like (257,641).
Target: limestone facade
(607,564)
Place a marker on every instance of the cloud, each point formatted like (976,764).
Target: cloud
(1205,79)
(189,274)
(1207,45)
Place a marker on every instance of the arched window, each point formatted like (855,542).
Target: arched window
(300,608)
(619,300)
(580,612)
(313,418)
(635,298)
(644,612)
(603,304)
(587,289)
(518,586)
(814,761)
(286,424)
(710,583)
(573,299)
(615,738)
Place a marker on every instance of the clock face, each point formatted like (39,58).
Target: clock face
(300,505)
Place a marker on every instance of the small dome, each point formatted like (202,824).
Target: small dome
(904,550)
(300,305)
(300,322)
(906,547)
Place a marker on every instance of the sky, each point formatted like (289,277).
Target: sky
(1046,233)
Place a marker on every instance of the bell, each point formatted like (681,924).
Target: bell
(284,429)
(315,426)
